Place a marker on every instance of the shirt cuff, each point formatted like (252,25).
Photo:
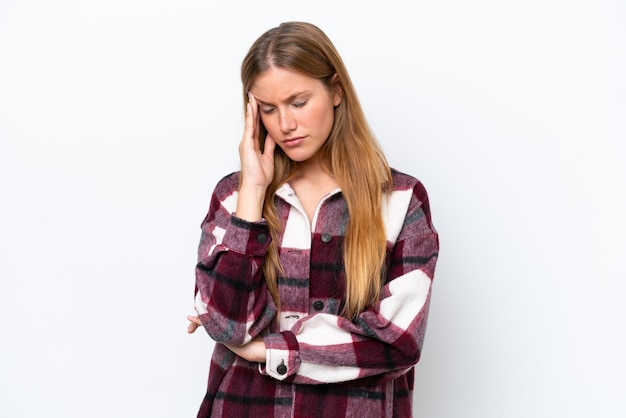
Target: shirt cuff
(282,355)
(246,237)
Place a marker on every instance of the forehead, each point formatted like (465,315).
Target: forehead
(280,84)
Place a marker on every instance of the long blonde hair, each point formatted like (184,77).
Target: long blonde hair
(351,154)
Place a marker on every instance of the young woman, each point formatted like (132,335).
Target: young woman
(316,259)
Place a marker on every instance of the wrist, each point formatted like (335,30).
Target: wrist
(250,203)
(252,190)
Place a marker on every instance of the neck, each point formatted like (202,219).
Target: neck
(313,170)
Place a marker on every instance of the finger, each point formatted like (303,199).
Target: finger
(195,319)
(232,348)
(191,328)
(195,323)
(270,145)
(254,104)
(248,129)
(256,120)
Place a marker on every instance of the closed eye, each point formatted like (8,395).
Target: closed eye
(267,110)
(299,104)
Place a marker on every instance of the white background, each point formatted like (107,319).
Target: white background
(118,117)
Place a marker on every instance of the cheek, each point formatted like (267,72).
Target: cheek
(267,122)
(325,117)
(319,117)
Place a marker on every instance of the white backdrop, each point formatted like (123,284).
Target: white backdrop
(118,117)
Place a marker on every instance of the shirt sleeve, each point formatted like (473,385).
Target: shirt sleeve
(231,298)
(387,338)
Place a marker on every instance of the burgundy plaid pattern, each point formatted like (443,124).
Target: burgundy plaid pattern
(319,364)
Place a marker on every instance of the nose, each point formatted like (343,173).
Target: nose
(287,122)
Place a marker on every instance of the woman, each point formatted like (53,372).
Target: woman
(316,259)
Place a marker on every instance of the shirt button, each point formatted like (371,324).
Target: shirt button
(318,305)
(281,369)
(326,237)
(261,238)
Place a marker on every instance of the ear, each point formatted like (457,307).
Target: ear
(337,90)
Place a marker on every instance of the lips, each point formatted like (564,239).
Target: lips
(292,142)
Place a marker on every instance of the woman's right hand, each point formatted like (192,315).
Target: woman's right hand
(257,165)
(194,323)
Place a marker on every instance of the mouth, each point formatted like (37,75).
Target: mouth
(292,142)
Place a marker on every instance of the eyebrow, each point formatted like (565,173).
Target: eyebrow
(289,99)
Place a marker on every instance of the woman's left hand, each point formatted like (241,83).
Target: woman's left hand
(254,351)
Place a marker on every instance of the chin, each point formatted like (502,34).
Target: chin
(297,157)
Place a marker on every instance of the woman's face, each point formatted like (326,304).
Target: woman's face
(297,111)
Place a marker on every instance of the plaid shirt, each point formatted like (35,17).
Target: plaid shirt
(318,364)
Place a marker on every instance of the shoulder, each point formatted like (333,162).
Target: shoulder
(403,182)
(223,199)
(412,202)
(224,194)
(406,184)
(226,186)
